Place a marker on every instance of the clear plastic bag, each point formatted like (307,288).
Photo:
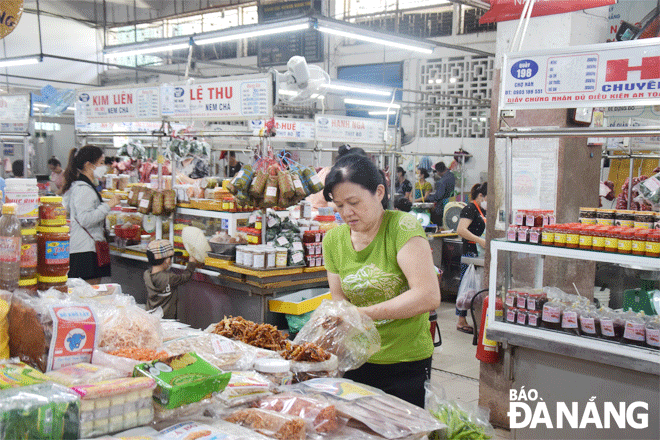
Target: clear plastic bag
(461,420)
(470,285)
(208,429)
(83,373)
(303,371)
(219,351)
(649,190)
(129,326)
(339,328)
(270,423)
(245,387)
(320,416)
(382,413)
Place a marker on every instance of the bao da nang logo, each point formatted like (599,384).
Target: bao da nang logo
(528,410)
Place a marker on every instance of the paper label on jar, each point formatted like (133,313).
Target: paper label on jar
(29,255)
(551,314)
(653,247)
(27,203)
(311,261)
(607,327)
(612,243)
(144,203)
(271,191)
(74,335)
(319,261)
(639,246)
(652,184)
(522,318)
(259,261)
(569,320)
(522,235)
(598,242)
(560,238)
(510,299)
(282,241)
(519,219)
(297,246)
(531,303)
(511,315)
(634,331)
(297,257)
(221,346)
(511,235)
(572,239)
(653,337)
(533,319)
(57,252)
(521,302)
(625,245)
(252,219)
(588,325)
(548,236)
(585,240)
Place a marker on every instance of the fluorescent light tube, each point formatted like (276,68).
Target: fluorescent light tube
(287,92)
(383,113)
(20,61)
(356,89)
(146,50)
(370,103)
(253,33)
(384,41)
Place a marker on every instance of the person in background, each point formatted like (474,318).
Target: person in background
(17,168)
(87,212)
(444,188)
(403,204)
(161,282)
(422,187)
(233,166)
(380,261)
(402,185)
(471,228)
(56,175)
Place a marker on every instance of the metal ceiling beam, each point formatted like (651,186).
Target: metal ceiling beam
(474,3)
(47,80)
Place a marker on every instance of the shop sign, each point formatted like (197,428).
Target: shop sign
(10,15)
(504,10)
(217,100)
(333,128)
(295,130)
(114,105)
(15,109)
(621,74)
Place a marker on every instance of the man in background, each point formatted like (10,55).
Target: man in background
(17,168)
(233,166)
(444,188)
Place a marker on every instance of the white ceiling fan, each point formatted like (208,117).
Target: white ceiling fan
(301,84)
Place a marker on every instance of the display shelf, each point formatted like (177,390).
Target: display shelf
(590,349)
(231,217)
(650,263)
(140,256)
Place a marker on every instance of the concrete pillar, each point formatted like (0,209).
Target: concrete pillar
(577,170)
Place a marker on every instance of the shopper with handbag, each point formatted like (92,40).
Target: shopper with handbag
(89,252)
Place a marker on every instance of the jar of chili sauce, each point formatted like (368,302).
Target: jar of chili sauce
(53,251)
(612,240)
(51,211)
(548,235)
(560,235)
(58,283)
(653,244)
(586,237)
(625,240)
(598,239)
(572,236)
(639,241)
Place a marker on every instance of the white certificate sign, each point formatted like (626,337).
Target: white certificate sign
(621,74)
(295,130)
(115,105)
(350,130)
(217,100)
(15,109)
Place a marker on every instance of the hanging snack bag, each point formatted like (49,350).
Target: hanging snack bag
(258,184)
(169,201)
(270,196)
(298,186)
(316,184)
(144,205)
(133,195)
(243,178)
(157,203)
(285,184)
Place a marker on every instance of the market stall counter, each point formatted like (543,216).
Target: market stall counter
(221,288)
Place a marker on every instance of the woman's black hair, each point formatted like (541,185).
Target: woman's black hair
(479,188)
(358,169)
(440,167)
(17,168)
(54,162)
(77,160)
(347,149)
(403,204)
(153,260)
(401,170)
(423,172)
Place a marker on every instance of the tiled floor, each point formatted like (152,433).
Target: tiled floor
(455,367)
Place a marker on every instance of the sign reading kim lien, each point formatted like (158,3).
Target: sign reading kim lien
(611,74)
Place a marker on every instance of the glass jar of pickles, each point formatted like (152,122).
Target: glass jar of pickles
(605,217)
(624,218)
(588,216)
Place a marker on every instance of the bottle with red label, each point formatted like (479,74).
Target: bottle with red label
(10,248)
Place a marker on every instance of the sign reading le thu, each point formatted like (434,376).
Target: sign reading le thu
(10,14)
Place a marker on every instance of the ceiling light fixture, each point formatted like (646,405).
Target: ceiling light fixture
(20,61)
(144,49)
(358,89)
(240,32)
(370,103)
(383,113)
(348,30)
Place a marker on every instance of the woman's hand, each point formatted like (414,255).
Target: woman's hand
(482,242)
(114,201)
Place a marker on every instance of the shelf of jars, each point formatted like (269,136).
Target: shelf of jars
(567,324)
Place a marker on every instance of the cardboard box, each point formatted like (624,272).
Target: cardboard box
(299,302)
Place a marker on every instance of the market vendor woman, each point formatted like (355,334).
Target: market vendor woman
(381,262)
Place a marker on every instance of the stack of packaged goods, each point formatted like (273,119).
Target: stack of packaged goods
(52,245)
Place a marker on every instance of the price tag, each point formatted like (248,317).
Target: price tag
(253,219)
(144,203)
(297,257)
(161,159)
(221,346)
(297,246)
(282,241)
(271,191)
(297,183)
(272,222)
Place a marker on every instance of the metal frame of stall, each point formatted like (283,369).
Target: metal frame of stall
(21,136)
